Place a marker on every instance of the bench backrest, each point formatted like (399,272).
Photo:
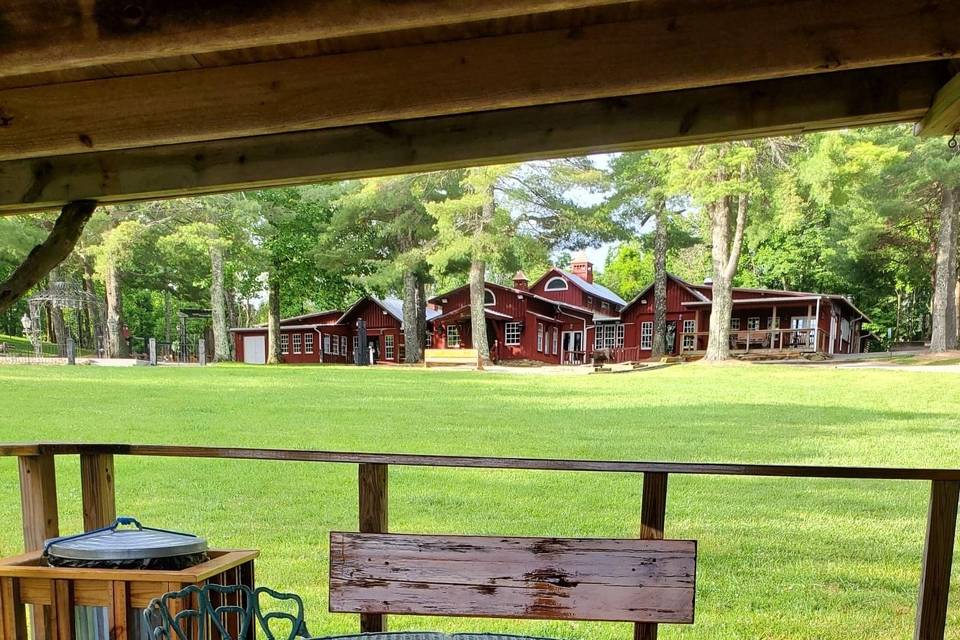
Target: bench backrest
(450,356)
(498,577)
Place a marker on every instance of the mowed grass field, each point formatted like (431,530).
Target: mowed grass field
(779,558)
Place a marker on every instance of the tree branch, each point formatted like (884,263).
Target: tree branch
(44,257)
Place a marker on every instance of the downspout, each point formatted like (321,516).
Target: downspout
(319,346)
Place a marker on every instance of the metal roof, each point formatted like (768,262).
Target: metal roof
(598,290)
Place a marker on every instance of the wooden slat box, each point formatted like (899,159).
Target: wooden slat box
(122,593)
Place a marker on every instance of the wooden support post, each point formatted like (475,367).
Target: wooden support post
(653,513)
(13,623)
(38,504)
(97,488)
(374,505)
(937,560)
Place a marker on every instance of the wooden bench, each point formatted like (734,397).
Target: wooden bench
(641,581)
(450,356)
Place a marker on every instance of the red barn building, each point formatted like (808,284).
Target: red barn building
(331,336)
(521,325)
(762,320)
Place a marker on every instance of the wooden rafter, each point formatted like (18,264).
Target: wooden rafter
(56,36)
(943,118)
(773,107)
(604,60)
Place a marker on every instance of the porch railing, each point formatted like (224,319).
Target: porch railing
(803,340)
(38,492)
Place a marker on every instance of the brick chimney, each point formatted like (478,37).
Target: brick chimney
(581,266)
(520,281)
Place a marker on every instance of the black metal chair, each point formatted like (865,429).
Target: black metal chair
(228,612)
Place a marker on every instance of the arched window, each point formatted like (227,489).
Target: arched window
(488,298)
(556,284)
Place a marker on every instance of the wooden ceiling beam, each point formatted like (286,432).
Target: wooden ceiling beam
(693,116)
(743,43)
(943,118)
(40,36)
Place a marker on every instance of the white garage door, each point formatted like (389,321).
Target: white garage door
(254,349)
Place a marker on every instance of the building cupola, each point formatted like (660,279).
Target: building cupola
(582,267)
(520,281)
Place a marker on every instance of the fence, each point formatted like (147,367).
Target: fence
(41,520)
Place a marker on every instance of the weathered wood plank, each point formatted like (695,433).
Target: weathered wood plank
(373,491)
(695,116)
(937,561)
(97,489)
(13,624)
(542,578)
(481,462)
(65,37)
(653,515)
(38,500)
(943,118)
(544,67)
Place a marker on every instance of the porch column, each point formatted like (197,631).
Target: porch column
(776,326)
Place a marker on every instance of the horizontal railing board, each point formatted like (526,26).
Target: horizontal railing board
(542,464)
(538,578)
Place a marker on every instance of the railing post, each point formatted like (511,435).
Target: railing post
(653,512)
(97,489)
(937,560)
(38,506)
(374,512)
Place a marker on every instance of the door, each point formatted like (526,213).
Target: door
(572,347)
(373,348)
(254,349)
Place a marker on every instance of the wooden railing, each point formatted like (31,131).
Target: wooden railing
(38,492)
(807,340)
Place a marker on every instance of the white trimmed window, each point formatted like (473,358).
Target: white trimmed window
(388,346)
(356,342)
(773,323)
(308,343)
(598,332)
(690,327)
(646,335)
(511,334)
(605,306)
(556,341)
(297,341)
(734,324)
(753,324)
(284,343)
(343,345)
(609,336)
(488,298)
(326,343)
(335,345)
(620,333)
(540,337)
(556,283)
(453,336)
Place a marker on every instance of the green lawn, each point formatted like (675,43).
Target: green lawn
(779,558)
(21,344)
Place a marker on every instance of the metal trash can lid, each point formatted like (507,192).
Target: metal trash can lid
(113,543)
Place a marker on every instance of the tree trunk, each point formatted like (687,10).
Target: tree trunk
(97,330)
(116,347)
(725,255)
(54,250)
(232,319)
(478,316)
(422,315)
(944,331)
(411,314)
(218,304)
(273,320)
(659,348)
(167,315)
(57,321)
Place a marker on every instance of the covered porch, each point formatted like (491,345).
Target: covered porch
(782,326)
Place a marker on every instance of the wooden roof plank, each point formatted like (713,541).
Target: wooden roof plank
(39,37)
(604,60)
(943,118)
(694,116)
